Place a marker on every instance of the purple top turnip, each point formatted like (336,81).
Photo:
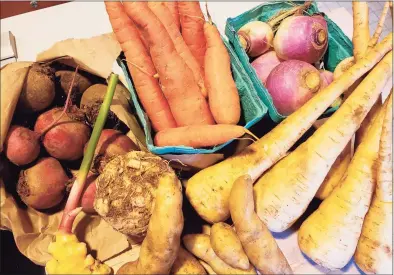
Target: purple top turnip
(22,145)
(256,38)
(43,185)
(66,140)
(291,84)
(327,77)
(302,38)
(264,64)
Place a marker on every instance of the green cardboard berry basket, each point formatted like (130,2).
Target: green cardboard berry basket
(339,46)
(252,108)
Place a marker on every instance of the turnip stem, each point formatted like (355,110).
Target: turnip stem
(76,190)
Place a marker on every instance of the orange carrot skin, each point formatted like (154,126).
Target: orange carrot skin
(187,104)
(222,92)
(192,28)
(147,87)
(198,136)
(173,7)
(164,15)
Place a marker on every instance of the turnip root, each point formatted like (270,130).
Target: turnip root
(256,37)
(227,246)
(126,191)
(88,195)
(374,250)
(160,247)
(199,245)
(22,146)
(66,139)
(38,90)
(309,43)
(43,185)
(329,236)
(285,191)
(264,64)
(81,83)
(111,143)
(208,190)
(93,97)
(291,84)
(257,241)
(186,263)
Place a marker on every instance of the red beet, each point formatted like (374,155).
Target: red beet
(22,145)
(43,185)
(111,143)
(66,140)
(88,195)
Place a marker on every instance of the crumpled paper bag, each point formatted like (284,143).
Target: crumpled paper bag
(33,230)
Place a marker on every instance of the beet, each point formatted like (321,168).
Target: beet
(66,140)
(43,185)
(38,91)
(22,145)
(111,143)
(81,83)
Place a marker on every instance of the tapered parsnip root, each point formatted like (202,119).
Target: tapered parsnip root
(375,38)
(285,191)
(208,190)
(360,29)
(161,244)
(200,246)
(330,235)
(375,247)
(227,246)
(186,263)
(256,239)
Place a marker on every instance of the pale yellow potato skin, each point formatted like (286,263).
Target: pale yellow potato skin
(227,246)
(200,246)
(257,241)
(161,244)
(186,263)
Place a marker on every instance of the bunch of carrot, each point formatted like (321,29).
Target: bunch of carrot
(181,71)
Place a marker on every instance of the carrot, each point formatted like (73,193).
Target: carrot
(284,192)
(208,190)
(164,15)
(375,38)
(187,104)
(198,136)
(222,92)
(141,68)
(375,247)
(192,26)
(173,7)
(257,241)
(360,29)
(329,236)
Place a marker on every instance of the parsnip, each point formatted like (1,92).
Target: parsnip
(200,246)
(227,246)
(208,191)
(375,247)
(186,263)
(329,236)
(361,34)
(284,192)
(256,239)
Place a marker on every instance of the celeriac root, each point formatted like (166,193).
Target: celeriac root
(329,236)
(284,192)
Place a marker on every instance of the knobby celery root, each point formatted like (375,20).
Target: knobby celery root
(208,190)
(256,239)
(227,246)
(163,13)
(329,236)
(374,250)
(186,263)
(161,244)
(137,55)
(200,246)
(186,102)
(360,29)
